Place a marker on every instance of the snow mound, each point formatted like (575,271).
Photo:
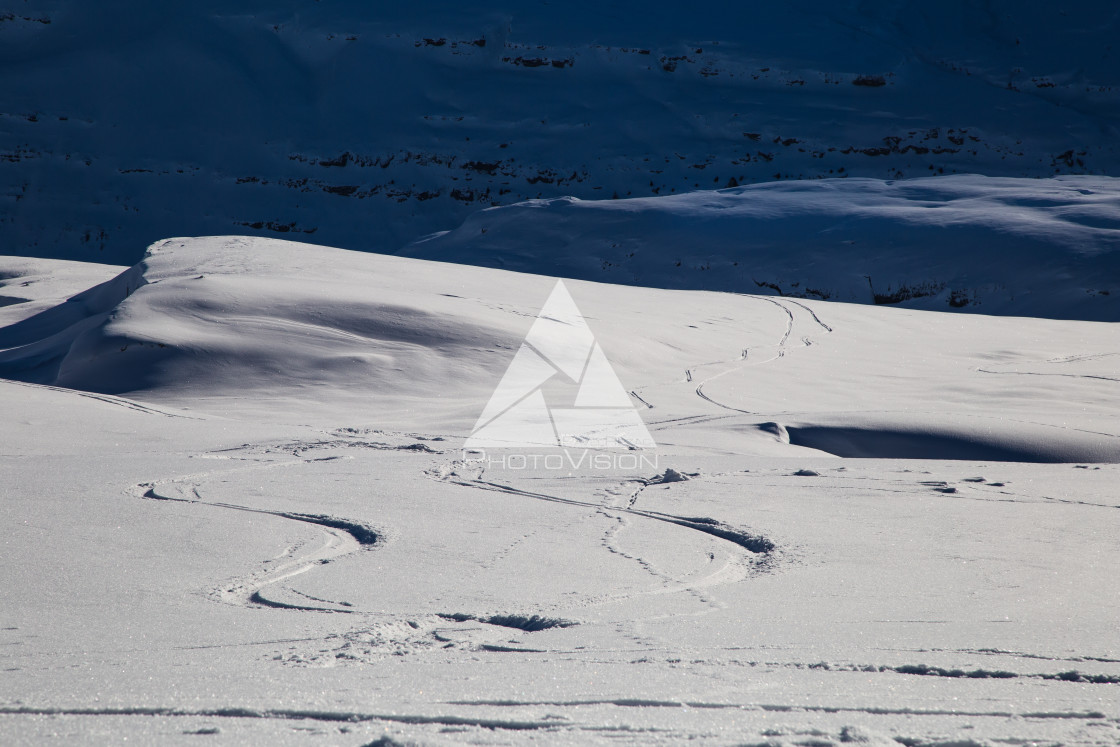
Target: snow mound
(1024,247)
(200,318)
(276,331)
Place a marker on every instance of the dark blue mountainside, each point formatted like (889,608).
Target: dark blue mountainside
(366,125)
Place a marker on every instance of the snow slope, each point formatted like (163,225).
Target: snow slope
(1027,247)
(235,506)
(251,323)
(367,125)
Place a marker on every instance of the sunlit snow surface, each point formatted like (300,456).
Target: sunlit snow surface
(235,510)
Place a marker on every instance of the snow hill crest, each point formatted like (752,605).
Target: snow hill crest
(518,413)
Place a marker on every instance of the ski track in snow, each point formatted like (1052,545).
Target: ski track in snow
(743,358)
(1040,373)
(752,554)
(754,544)
(338,541)
(732,569)
(341,537)
(574,723)
(108,399)
(745,555)
(781,348)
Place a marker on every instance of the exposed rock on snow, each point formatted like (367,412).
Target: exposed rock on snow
(366,125)
(1026,247)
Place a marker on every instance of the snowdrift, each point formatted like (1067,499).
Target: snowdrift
(272,330)
(207,318)
(1048,248)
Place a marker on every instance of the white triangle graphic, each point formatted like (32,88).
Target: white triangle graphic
(525,424)
(526,374)
(600,386)
(517,414)
(560,333)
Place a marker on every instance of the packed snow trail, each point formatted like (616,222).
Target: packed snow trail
(780,350)
(342,537)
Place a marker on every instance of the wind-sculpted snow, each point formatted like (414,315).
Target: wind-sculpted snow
(217,320)
(366,125)
(986,441)
(211,318)
(1027,247)
(860,525)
